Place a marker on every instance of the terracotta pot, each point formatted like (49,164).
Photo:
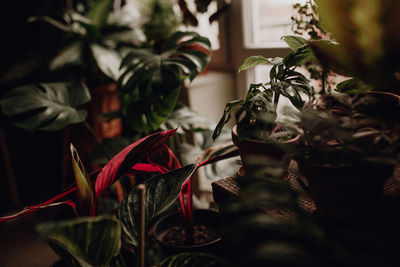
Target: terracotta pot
(346,192)
(204,220)
(254,153)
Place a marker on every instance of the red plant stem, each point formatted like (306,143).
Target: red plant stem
(186,208)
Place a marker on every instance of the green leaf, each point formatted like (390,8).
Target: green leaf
(194,259)
(331,55)
(294,42)
(108,60)
(253,61)
(83,184)
(151,80)
(352,87)
(229,109)
(98,13)
(70,55)
(90,241)
(46,106)
(161,192)
(188,119)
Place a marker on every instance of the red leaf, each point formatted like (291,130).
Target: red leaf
(124,160)
(163,157)
(49,203)
(146,167)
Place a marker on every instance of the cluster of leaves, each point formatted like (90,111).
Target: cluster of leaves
(339,129)
(151,80)
(163,187)
(256,113)
(94,43)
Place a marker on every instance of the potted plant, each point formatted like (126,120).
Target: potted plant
(167,181)
(349,144)
(257,131)
(352,150)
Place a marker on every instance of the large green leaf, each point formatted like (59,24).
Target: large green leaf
(69,55)
(46,106)
(194,259)
(151,80)
(161,192)
(108,60)
(294,42)
(90,241)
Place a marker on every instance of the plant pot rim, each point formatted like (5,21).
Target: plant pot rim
(176,214)
(235,139)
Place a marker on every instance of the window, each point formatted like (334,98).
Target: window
(256,28)
(266,21)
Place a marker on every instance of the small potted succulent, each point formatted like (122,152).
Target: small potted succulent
(257,131)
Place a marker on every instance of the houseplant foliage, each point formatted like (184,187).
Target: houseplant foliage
(46,106)
(256,114)
(94,41)
(88,241)
(152,77)
(164,183)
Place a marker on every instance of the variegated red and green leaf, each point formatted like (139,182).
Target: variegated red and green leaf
(127,158)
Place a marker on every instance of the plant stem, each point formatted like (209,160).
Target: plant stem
(98,141)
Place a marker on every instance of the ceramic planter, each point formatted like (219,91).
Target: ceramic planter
(254,153)
(167,230)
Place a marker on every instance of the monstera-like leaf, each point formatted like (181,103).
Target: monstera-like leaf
(161,192)
(151,80)
(46,106)
(87,241)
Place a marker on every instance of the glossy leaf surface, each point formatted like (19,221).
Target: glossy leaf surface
(89,240)
(46,106)
(161,192)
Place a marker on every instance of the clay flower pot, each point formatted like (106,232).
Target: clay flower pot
(169,232)
(254,153)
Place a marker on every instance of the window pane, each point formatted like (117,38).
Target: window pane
(266,21)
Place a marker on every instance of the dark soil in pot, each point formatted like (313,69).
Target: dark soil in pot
(170,233)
